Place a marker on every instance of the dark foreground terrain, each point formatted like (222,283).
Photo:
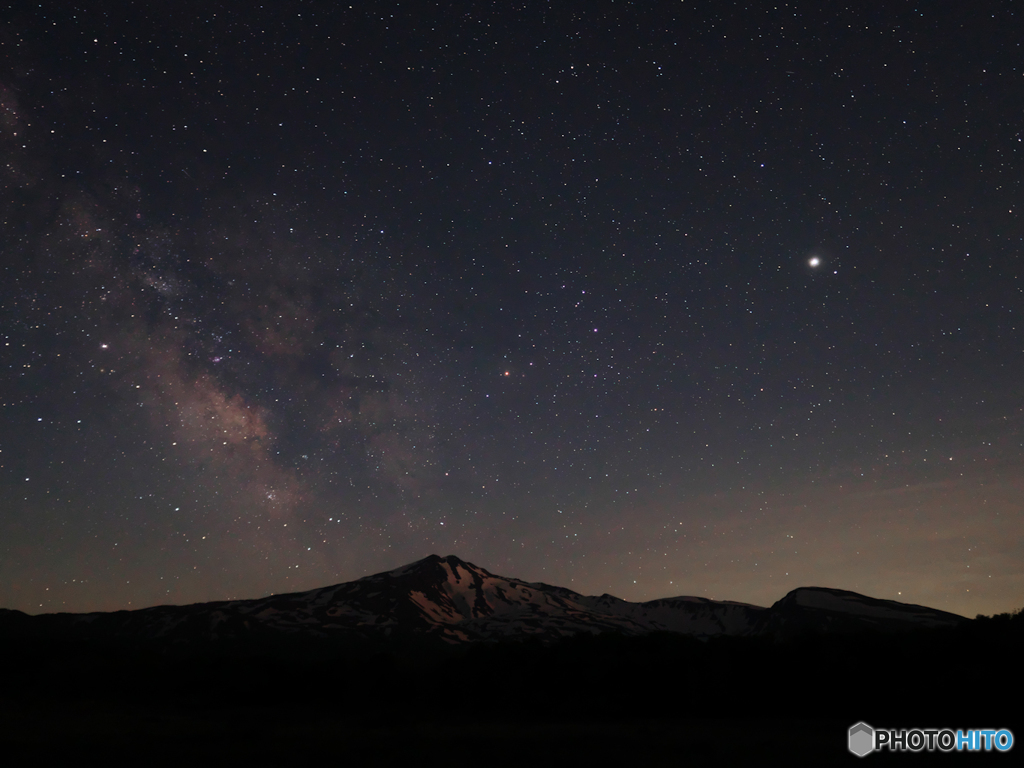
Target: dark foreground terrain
(660,699)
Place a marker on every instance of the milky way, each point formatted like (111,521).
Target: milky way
(641,300)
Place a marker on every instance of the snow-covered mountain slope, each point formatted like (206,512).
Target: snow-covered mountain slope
(457,602)
(466,602)
(820,610)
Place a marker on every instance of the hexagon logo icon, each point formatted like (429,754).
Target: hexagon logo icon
(862,739)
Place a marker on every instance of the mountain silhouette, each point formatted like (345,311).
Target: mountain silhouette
(454,602)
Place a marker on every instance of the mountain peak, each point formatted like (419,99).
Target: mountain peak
(830,598)
(826,609)
(435,564)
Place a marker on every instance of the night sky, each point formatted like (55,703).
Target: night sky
(652,298)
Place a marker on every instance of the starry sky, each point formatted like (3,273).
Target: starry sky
(646,298)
